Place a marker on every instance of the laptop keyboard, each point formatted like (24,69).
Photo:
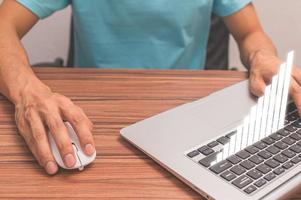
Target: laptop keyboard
(258,164)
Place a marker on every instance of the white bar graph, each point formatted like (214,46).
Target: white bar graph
(266,117)
(287,80)
(279,94)
(271,109)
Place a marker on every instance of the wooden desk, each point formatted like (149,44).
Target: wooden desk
(112,99)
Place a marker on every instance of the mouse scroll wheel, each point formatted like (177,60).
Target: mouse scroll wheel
(75,147)
(78,158)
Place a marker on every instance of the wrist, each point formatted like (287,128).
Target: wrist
(29,87)
(259,56)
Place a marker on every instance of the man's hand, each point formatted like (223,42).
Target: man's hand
(258,53)
(37,110)
(37,107)
(263,66)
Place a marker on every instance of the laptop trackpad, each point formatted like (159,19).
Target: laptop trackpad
(227,108)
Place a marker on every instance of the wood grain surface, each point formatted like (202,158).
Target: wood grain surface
(112,99)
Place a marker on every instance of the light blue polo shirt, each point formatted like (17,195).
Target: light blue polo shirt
(164,34)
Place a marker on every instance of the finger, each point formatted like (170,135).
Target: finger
(40,143)
(25,132)
(51,166)
(62,139)
(297,75)
(257,85)
(82,126)
(295,91)
(30,144)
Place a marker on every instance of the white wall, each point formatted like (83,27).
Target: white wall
(280,19)
(49,39)
(282,22)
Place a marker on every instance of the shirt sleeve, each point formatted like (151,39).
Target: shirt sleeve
(44,8)
(228,7)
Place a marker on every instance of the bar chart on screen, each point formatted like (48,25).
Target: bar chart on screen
(264,118)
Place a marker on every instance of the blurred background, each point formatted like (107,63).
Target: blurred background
(49,39)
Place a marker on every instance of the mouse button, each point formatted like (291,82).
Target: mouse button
(85,160)
(78,161)
(55,151)
(72,133)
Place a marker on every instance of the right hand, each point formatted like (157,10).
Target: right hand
(263,67)
(38,110)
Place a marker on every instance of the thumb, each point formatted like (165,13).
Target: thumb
(257,85)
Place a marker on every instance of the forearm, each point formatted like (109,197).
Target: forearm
(255,45)
(16,74)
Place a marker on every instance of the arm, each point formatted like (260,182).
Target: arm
(258,53)
(37,107)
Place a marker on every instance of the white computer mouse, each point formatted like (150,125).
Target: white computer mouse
(82,159)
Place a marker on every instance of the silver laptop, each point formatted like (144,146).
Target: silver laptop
(188,141)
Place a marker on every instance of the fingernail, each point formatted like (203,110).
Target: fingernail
(89,149)
(69,160)
(51,167)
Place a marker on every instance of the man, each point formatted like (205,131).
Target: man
(120,33)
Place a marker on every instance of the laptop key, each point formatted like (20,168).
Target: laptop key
(243,154)
(296,160)
(260,182)
(206,162)
(230,134)
(234,159)
(251,149)
(254,174)
(223,140)
(288,153)
(263,168)
(207,152)
(276,136)
(283,132)
(260,145)
(292,117)
(287,165)
(297,124)
(212,144)
(193,154)
(279,170)
(290,128)
(264,154)
(269,176)
(268,140)
(229,176)
(295,148)
(272,163)
(296,136)
(242,181)
(250,189)
(273,149)
(221,166)
(281,145)
(238,170)
(203,148)
(288,140)
(280,158)
(256,159)
(247,164)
